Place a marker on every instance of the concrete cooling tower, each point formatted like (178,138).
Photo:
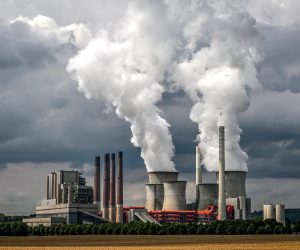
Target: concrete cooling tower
(160,177)
(208,195)
(154,196)
(174,195)
(235,183)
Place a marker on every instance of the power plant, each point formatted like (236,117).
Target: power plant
(70,201)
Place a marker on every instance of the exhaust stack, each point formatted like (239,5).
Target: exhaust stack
(97,182)
(119,212)
(221,195)
(198,173)
(112,196)
(106,192)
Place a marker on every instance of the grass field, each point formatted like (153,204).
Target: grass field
(191,242)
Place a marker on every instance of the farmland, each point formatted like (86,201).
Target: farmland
(166,242)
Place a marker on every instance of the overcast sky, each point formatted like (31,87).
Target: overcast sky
(47,124)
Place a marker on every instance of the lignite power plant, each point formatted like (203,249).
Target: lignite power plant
(70,201)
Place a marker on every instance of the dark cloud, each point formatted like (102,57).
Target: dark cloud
(45,119)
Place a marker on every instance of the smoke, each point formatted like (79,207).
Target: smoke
(124,66)
(217,70)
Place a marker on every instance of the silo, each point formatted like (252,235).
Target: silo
(174,195)
(270,211)
(208,195)
(159,177)
(154,196)
(280,213)
(235,183)
(265,211)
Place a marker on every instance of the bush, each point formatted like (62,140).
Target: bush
(220,229)
(251,229)
(231,229)
(261,230)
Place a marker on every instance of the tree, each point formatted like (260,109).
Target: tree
(251,229)
(231,229)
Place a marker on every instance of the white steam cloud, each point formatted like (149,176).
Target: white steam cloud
(124,67)
(218,72)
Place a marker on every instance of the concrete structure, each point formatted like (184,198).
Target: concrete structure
(208,195)
(159,177)
(112,196)
(265,211)
(269,211)
(119,208)
(154,196)
(97,184)
(221,179)
(280,213)
(33,222)
(106,192)
(66,214)
(174,195)
(235,183)
(68,187)
(242,207)
(276,212)
(198,173)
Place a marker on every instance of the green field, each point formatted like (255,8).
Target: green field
(165,242)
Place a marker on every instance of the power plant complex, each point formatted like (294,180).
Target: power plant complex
(70,201)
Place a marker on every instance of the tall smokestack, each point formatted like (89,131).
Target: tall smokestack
(221,198)
(112,196)
(97,182)
(198,173)
(119,212)
(105,206)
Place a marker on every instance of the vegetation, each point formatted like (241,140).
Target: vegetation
(229,227)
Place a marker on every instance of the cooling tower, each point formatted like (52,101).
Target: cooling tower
(280,213)
(198,173)
(235,183)
(159,177)
(119,208)
(154,196)
(221,176)
(208,195)
(174,195)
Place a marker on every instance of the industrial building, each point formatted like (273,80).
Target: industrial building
(70,201)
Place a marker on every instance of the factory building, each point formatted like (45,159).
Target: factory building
(70,201)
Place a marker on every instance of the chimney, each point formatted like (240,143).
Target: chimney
(105,204)
(198,173)
(119,212)
(221,195)
(97,182)
(112,196)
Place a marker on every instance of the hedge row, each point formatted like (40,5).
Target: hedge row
(217,227)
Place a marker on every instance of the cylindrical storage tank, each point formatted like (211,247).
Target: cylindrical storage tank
(174,195)
(280,213)
(162,176)
(235,183)
(208,195)
(265,211)
(154,196)
(270,212)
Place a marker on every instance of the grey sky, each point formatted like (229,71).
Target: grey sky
(47,124)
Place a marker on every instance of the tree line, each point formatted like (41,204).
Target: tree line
(229,227)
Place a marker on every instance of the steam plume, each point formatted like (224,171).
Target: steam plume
(124,68)
(218,72)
